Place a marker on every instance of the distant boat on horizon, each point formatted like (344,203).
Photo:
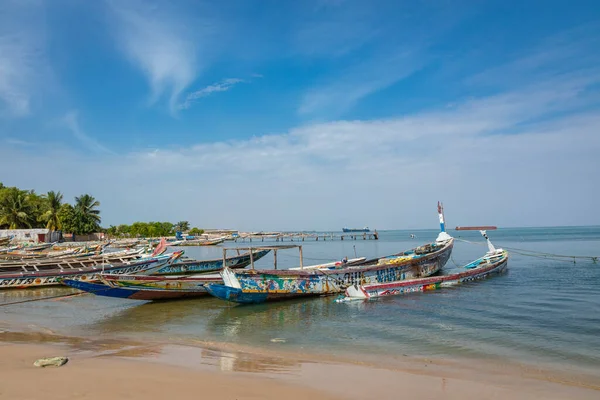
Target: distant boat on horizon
(365,229)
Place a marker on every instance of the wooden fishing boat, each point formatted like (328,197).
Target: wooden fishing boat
(201,242)
(51,277)
(27,265)
(153,287)
(183,267)
(493,262)
(37,247)
(251,286)
(143,287)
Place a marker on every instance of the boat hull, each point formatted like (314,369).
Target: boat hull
(101,289)
(235,295)
(493,267)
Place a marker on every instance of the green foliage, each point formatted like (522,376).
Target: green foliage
(68,218)
(16,209)
(196,231)
(52,207)
(150,229)
(182,226)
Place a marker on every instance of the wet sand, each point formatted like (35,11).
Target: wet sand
(154,371)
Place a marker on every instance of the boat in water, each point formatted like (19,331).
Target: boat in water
(144,287)
(494,262)
(252,286)
(365,229)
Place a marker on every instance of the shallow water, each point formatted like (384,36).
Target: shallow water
(543,311)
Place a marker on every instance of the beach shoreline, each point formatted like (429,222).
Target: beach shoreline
(137,370)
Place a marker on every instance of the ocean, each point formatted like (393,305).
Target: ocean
(543,310)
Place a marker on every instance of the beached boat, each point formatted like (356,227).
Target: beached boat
(365,229)
(252,286)
(143,287)
(183,267)
(74,261)
(51,277)
(493,262)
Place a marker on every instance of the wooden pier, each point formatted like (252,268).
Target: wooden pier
(301,237)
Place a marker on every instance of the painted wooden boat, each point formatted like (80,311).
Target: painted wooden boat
(495,261)
(201,242)
(251,286)
(481,268)
(183,267)
(30,279)
(142,287)
(69,262)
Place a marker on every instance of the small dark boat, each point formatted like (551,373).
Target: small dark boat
(365,229)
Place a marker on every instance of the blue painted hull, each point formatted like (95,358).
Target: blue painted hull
(235,295)
(97,288)
(134,293)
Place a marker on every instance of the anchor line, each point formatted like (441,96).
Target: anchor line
(43,298)
(538,254)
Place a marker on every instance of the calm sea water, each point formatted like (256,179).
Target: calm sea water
(541,311)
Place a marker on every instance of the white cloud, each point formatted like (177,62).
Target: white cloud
(21,56)
(510,160)
(161,42)
(222,86)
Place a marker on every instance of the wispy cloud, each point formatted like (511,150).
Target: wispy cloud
(159,40)
(222,86)
(21,55)
(343,91)
(71,121)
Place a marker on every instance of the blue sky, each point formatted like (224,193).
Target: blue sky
(306,115)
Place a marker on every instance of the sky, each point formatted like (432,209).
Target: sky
(306,115)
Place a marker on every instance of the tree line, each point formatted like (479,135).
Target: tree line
(152,229)
(22,209)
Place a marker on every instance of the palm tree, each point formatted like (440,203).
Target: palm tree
(86,205)
(53,204)
(15,209)
(182,226)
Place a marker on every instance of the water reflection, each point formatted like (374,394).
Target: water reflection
(246,362)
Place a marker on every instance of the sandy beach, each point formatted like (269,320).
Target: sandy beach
(128,371)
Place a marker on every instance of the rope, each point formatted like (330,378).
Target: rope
(539,254)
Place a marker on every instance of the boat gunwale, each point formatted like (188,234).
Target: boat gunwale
(364,266)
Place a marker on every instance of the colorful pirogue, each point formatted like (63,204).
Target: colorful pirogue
(51,277)
(144,286)
(252,286)
(493,262)
(49,271)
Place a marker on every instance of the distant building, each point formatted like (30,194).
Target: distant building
(32,235)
